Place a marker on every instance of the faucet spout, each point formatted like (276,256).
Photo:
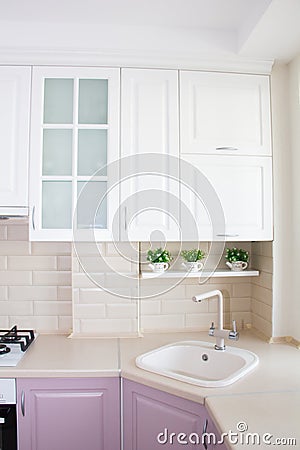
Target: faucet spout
(219,333)
(208,295)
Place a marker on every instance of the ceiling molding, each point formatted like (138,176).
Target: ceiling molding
(145,59)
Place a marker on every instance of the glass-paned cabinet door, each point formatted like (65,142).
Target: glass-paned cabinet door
(74,153)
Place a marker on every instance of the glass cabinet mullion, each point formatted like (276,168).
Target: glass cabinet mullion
(57,126)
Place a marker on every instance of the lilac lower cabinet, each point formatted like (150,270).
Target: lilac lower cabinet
(155,420)
(68,413)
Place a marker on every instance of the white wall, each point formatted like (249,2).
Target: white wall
(286,145)
(294,104)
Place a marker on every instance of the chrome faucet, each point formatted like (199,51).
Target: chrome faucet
(220,333)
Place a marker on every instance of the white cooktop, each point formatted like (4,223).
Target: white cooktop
(12,358)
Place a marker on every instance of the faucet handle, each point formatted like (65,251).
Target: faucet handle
(212,329)
(234,334)
(234,326)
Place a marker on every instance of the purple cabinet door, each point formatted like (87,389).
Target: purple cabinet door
(153,420)
(68,414)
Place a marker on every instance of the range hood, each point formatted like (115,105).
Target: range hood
(14,212)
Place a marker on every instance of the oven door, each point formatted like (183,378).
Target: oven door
(8,427)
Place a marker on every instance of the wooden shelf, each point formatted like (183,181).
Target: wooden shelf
(204,274)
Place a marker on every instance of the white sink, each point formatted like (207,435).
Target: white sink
(198,362)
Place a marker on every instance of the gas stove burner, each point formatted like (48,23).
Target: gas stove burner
(23,338)
(4,349)
(11,335)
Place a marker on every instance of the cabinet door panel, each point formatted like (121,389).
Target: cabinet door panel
(149,117)
(224,113)
(14,137)
(244,187)
(72,414)
(75,141)
(150,416)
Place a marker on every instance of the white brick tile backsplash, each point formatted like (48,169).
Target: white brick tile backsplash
(262,325)
(89,311)
(47,278)
(17,233)
(262,294)
(39,323)
(51,248)
(37,285)
(241,290)
(183,306)
(64,263)
(17,308)
(3,232)
(107,264)
(52,308)
(242,304)
(31,262)
(13,277)
(3,262)
(162,322)
(3,294)
(65,324)
(4,322)
(200,321)
(150,307)
(32,293)
(122,310)
(264,279)
(18,248)
(64,293)
(106,326)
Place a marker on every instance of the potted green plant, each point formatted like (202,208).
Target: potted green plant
(159,259)
(192,259)
(237,259)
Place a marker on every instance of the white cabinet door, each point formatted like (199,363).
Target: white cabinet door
(150,151)
(243,185)
(74,153)
(225,113)
(15,85)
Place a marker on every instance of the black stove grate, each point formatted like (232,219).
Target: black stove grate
(23,338)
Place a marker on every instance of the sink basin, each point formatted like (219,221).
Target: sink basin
(198,362)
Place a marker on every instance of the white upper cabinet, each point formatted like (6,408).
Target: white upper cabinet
(74,153)
(15,85)
(149,151)
(231,197)
(225,113)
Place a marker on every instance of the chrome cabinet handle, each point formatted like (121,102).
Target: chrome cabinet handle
(23,403)
(204,434)
(231,149)
(32,217)
(227,235)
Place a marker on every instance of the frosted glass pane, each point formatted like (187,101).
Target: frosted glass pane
(92,145)
(92,204)
(57,152)
(93,101)
(57,204)
(58,100)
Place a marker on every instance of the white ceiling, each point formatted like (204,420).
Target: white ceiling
(264,29)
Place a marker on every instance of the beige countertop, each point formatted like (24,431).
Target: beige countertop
(267,399)
(59,356)
(270,416)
